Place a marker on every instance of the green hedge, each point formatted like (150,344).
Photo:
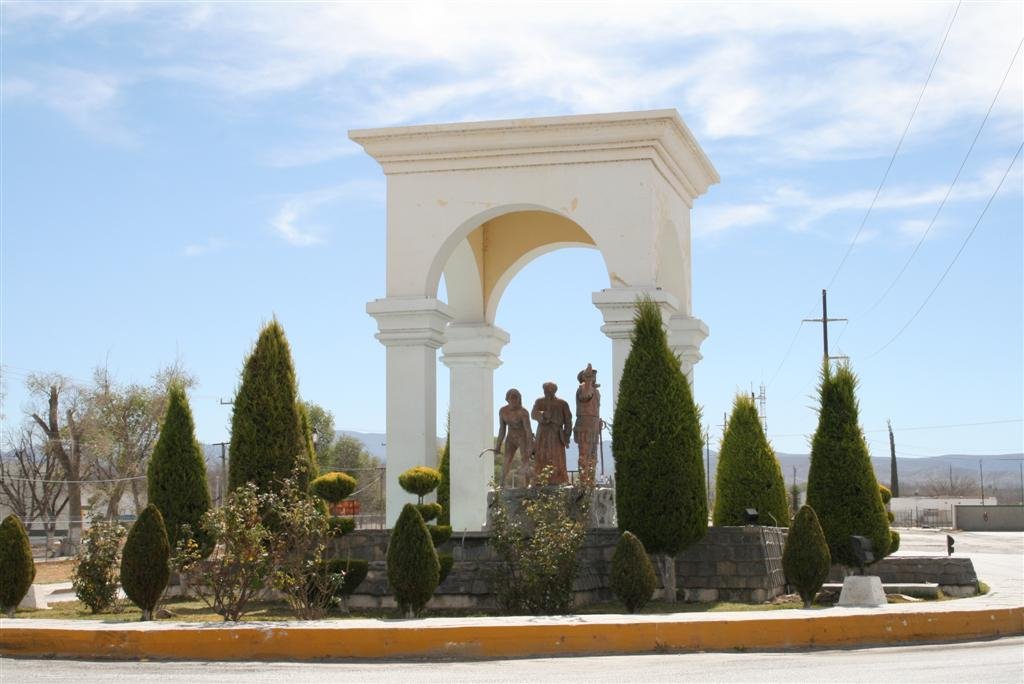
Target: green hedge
(429,511)
(444,488)
(657,444)
(439,534)
(17,569)
(841,486)
(144,561)
(333,487)
(749,475)
(447,562)
(413,568)
(805,558)
(633,579)
(339,526)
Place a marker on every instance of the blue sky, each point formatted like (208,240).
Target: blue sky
(173,175)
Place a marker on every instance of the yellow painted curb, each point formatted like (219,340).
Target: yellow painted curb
(294,641)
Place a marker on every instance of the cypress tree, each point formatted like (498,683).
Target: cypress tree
(144,561)
(632,579)
(17,569)
(656,441)
(176,476)
(841,485)
(268,441)
(444,488)
(413,566)
(749,475)
(805,558)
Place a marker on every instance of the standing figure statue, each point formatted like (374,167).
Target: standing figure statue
(515,435)
(554,425)
(587,431)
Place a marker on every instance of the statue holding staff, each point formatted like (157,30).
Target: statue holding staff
(587,431)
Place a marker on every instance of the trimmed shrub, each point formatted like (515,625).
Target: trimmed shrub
(176,477)
(633,579)
(333,487)
(313,464)
(17,569)
(886,494)
(892,518)
(420,481)
(144,561)
(95,573)
(413,568)
(749,475)
(657,444)
(439,534)
(444,488)
(805,558)
(447,562)
(339,526)
(841,485)
(268,441)
(429,511)
(894,541)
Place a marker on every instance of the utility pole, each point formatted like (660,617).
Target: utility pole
(894,477)
(951,479)
(981,471)
(762,404)
(825,320)
(223,471)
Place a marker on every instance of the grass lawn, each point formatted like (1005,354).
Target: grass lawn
(53,571)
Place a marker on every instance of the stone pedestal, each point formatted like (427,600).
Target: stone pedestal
(862,592)
(602,504)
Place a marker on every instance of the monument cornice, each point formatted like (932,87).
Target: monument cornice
(657,136)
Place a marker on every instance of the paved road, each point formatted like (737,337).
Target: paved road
(991,662)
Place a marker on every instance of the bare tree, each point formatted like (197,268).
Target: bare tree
(952,486)
(64,440)
(33,482)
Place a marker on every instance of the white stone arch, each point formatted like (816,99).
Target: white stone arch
(477,202)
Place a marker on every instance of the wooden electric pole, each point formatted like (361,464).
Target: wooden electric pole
(825,320)
(894,477)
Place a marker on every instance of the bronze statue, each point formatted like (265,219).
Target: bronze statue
(554,425)
(587,431)
(515,435)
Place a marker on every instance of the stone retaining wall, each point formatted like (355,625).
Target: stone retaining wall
(742,564)
(955,576)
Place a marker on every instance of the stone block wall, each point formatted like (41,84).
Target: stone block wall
(742,564)
(955,576)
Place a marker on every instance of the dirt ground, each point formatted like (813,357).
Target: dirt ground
(53,571)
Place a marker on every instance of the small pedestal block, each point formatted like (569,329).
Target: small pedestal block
(862,592)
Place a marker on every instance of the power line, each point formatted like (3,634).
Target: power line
(899,144)
(963,163)
(955,257)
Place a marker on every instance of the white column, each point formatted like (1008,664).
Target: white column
(618,306)
(471,352)
(412,329)
(685,335)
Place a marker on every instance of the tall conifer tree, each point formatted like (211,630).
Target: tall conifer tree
(268,441)
(177,471)
(656,440)
(749,475)
(841,485)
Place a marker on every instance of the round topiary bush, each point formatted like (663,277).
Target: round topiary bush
(429,511)
(806,558)
(144,561)
(420,480)
(413,568)
(894,541)
(447,562)
(633,579)
(886,494)
(439,534)
(333,487)
(339,526)
(354,570)
(17,569)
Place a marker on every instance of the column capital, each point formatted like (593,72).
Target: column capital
(618,306)
(685,335)
(474,344)
(410,321)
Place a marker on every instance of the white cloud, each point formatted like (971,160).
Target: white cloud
(211,245)
(718,219)
(292,221)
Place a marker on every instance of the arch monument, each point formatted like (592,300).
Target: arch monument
(477,202)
